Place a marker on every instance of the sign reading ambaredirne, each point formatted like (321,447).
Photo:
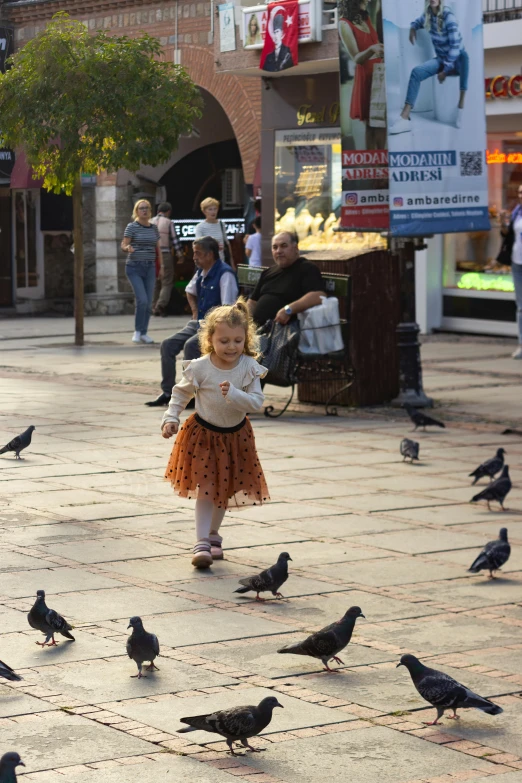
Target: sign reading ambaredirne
(436,116)
(365,204)
(7,157)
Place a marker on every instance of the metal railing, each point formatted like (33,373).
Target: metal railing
(501,10)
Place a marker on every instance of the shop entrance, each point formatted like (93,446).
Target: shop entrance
(27,249)
(6,269)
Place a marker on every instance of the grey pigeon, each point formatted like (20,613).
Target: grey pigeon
(494,555)
(325,644)
(443,691)
(8,764)
(490,467)
(142,646)
(9,674)
(497,490)
(19,443)
(236,724)
(421,419)
(271,579)
(49,622)
(409,449)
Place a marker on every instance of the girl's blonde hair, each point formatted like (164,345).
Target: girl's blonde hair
(137,205)
(439,13)
(232,315)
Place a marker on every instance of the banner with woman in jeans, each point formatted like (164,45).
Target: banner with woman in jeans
(436,134)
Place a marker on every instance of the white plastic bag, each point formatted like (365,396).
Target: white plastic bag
(320,328)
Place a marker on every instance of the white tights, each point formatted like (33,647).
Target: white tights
(208,518)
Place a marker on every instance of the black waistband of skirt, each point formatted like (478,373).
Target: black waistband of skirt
(215,428)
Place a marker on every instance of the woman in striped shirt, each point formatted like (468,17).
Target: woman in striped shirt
(141,240)
(451,59)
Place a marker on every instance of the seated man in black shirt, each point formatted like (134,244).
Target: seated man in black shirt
(290,287)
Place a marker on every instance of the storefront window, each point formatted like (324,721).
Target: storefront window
(308,190)
(470,259)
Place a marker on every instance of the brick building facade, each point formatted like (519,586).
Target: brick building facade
(227,136)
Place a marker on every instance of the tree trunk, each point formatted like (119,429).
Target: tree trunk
(78,261)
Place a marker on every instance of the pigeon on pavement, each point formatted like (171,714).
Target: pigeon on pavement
(494,555)
(325,644)
(8,764)
(443,691)
(409,449)
(421,419)
(236,724)
(8,674)
(271,579)
(49,622)
(490,467)
(142,646)
(19,443)
(497,490)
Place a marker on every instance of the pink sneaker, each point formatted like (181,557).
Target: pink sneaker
(216,549)
(202,555)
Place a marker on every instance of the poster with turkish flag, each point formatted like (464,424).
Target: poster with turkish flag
(280,46)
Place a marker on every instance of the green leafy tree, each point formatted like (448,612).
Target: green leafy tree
(78,104)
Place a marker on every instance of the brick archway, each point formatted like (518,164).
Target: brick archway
(239,97)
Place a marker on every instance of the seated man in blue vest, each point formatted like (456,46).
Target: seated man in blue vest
(213,284)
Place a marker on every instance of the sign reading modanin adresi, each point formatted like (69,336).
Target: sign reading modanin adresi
(436,116)
(365,204)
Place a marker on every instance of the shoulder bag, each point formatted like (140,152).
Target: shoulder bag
(279,344)
(506,249)
(226,250)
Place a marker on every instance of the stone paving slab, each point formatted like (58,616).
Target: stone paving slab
(499,731)
(236,536)
(260,656)
(368,754)
(22,584)
(102,680)
(106,549)
(275,512)
(164,570)
(343,525)
(14,702)
(52,533)
(58,739)
(307,553)
(204,626)
(445,633)
(15,561)
(12,620)
(165,714)
(390,571)
(21,651)
(158,768)
(123,603)
(418,541)
(224,587)
(473,591)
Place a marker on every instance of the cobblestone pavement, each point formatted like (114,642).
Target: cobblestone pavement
(88,517)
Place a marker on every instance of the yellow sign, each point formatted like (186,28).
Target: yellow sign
(307,114)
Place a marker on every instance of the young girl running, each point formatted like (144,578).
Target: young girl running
(214,457)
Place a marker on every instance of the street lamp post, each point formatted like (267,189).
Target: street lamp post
(410,367)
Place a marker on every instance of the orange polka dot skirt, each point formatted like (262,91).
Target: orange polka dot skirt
(218,466)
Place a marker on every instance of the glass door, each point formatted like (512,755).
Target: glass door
(28,255)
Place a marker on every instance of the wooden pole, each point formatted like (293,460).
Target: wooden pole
(78,262)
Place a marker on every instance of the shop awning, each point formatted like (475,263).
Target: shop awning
(22,174)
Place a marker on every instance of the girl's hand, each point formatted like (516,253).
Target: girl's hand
(413,35)
(170,429)
(442,77)
(225,386)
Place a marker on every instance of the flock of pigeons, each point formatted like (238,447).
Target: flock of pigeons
(239,724)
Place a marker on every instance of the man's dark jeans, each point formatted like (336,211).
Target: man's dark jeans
(170,348)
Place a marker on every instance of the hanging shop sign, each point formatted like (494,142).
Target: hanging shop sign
(255,22)
(6,46)
(503,87)
(227,28)
(436,117)
(365,199)
(186,229)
